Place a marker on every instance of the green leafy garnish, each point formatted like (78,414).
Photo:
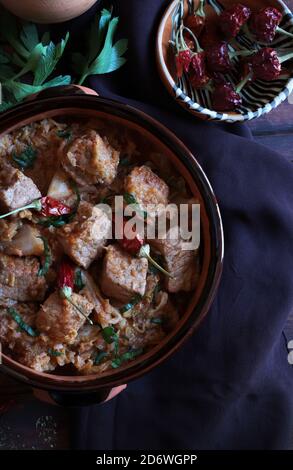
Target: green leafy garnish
(131,200)
(64,134)
(127,356)
(21,323)
(110,336)
(48,258)
(103,56)
(54,353)
(134,301)
(26,158)
(99,357)
(30,55)
(78,280)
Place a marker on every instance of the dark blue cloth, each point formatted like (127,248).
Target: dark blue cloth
(230,386)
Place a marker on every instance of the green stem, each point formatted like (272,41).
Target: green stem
(200,10)
(144,253)
(82,78)
(241,54)
(68,298)
(287,56)
(37,205)
(198,48)
(284,32)
(243,82)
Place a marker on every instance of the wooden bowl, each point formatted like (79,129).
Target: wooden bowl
(259,97)
(47,11)
(167,144)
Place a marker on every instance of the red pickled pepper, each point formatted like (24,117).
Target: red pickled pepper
(198,75)
(265,24)
(196,21)
(218,57)
(225,97)
(232,19)
(265,64)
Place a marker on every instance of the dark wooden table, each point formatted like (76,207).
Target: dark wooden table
(47,427)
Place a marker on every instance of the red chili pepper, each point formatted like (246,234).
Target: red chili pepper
(51,206)
(265,64)
(225,97)
(65,282)
(47,206)
(182,60)
(232,19)
(196,21)
(264,24)
(131,242)
(65,275)
(198,74)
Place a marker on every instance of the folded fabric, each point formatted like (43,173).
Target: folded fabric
(230,386)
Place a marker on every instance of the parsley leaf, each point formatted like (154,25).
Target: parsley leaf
(26,158)
(103,55)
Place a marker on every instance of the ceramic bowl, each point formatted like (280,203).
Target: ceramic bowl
(71,103)
(259,97)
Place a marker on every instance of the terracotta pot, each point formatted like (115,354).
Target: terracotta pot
(71,101)
(47,11)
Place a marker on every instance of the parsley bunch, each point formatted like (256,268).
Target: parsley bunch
(27,62)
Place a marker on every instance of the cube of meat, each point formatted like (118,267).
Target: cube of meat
(123,276)
(89,159)
(182,264)
(84,238)
(16,189)
(19,279)
(147,188)
(60,320)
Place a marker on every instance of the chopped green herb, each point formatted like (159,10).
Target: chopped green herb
(131,200)
(78,280)
(26,158)
(64,134)
(109,334)
(54,353)
(21,323)
(134,301)
(157,321)
(99,357)
(127,356)
(48,258)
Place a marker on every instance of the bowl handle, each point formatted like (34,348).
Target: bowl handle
(62,90)
(68,399)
